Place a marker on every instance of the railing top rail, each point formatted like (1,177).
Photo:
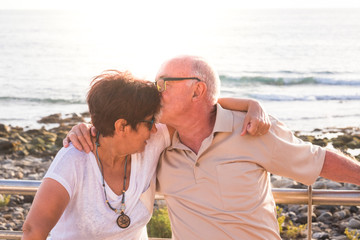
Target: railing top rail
(281,195)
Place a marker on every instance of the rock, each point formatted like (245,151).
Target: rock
(4,128)
(325,217)
(34,132)
(20,138)
(339,238)
(328,208)
(6,145)
(283,183)
(291,216)
(321,235)
(327,184)
(341,214)
(320,142)
(38,141)
(354,209)
(7,216)
(59,139)
(18,215)
(19,175)
(333,185)
(10,225)
(342,225)
(302,218)
(354,224)
(341,141)
(303,209)
(85,114)
(53,118)
(350,186)
(319,185)
(22,153)
(354,143)
(49,137)
(34,176)
(317,141)
(73,119)
(344,138)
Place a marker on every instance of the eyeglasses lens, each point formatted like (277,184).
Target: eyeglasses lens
(160,84)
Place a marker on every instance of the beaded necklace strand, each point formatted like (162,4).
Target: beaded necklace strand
(123,221)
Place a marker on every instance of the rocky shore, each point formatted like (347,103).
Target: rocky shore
(27,154)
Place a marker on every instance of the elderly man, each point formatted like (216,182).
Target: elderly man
(215,181)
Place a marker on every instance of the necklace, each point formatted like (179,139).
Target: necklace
(123,221)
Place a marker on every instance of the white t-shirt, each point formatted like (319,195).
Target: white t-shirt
(87,216)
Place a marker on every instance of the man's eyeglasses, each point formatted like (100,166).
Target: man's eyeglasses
(149,122)
(161,83)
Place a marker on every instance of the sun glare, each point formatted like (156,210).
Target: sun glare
(141,38)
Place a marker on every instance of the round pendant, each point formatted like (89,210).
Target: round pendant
(123,221)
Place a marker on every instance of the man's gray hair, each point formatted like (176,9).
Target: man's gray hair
(207,73)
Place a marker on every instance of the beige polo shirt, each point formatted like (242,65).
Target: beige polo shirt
(224,191)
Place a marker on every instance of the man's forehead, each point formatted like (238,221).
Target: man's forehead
(174,71)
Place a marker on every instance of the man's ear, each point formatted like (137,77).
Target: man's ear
(199,91)
(120,126)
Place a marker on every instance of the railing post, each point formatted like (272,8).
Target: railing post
(310,211)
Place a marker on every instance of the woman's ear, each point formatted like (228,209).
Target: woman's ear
(120,126)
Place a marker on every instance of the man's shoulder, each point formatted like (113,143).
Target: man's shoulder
(238,117)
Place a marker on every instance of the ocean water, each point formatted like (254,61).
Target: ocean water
(302,64)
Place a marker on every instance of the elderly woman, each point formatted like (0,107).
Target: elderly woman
(109,192)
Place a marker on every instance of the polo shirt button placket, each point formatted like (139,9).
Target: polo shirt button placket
(196,171)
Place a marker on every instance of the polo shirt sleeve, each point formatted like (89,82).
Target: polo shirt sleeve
(293,158)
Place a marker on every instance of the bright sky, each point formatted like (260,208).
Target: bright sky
(157,4)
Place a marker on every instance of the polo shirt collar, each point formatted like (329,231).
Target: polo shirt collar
(224,120)
(223,123)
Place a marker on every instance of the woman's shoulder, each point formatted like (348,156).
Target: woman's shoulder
(71,156)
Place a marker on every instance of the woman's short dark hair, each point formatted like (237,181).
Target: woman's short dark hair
(118,95)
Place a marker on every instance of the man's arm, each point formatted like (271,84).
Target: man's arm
(256,121)
(340,168)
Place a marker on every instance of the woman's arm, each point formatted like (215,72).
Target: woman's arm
(49,204)
(256,121)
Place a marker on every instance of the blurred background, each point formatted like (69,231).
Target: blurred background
(298,58)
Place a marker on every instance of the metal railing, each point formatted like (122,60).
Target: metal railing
(281,195)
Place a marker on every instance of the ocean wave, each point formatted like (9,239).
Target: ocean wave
(41,100)
(272,97)
(298,72)
(283,81)
(352,115)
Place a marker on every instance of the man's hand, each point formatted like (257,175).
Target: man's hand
(256,121)
(79,135)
